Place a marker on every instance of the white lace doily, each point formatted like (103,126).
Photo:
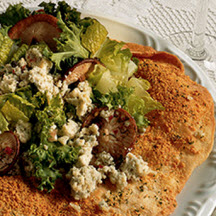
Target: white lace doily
(171,19)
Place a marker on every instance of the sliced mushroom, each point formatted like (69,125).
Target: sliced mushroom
(79,71)
(39,27)
(9,151)
(118,131)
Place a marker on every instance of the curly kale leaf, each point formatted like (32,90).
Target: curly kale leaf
(14,14)
(68,14)
(48,160)
(68,44)
(113,99)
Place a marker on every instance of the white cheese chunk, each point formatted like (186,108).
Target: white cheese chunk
(75,207)
(104,159)
(80,97)
(87,139)
(8,83)
(23,131)
(63,140)
(41,78)
(134,167)
(83,181)
(70,129)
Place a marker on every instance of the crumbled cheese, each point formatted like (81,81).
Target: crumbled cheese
(104,159)
(70,129)
(23,131)
(22,63)
(24,78)
(134,167)
(87,139)
(83,181)
(9,83)
(42,80)
(35,59)
(93,129)
(64,88)
(117,177)
(63,140)
(80,97)
(39,74)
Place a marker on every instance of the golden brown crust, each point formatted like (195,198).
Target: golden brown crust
(177,140)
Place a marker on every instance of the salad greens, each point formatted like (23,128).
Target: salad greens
(68,44)
(117,60)
(113,99)
(94,37)
(47,162)
(13,14)
(113,84)
(5,45)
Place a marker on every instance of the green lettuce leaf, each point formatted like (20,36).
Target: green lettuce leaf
(19,53)
(140,101)
(3,123)
(5,45)
(113,99)
(117,60)
(47,162)
(12,113)
(68,44)
(68,14)
(22,104)
(102,80)
(94,36)
(13,14)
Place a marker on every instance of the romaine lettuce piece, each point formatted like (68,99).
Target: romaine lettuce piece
(94,36)
(3,123)
(117,60)
(5,45)
(22,104)
(19,53)
(4,98)
(140,101)
(12,113)
(102,79)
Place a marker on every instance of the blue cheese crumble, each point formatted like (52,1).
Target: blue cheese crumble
(81,98)
(83,181)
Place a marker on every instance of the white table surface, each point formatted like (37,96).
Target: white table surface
(164,17)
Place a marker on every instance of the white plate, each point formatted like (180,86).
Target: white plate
(198,197)
(199,194)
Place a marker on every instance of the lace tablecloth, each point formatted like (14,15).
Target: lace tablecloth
(166,18)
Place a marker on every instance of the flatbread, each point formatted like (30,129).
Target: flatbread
(178,139)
